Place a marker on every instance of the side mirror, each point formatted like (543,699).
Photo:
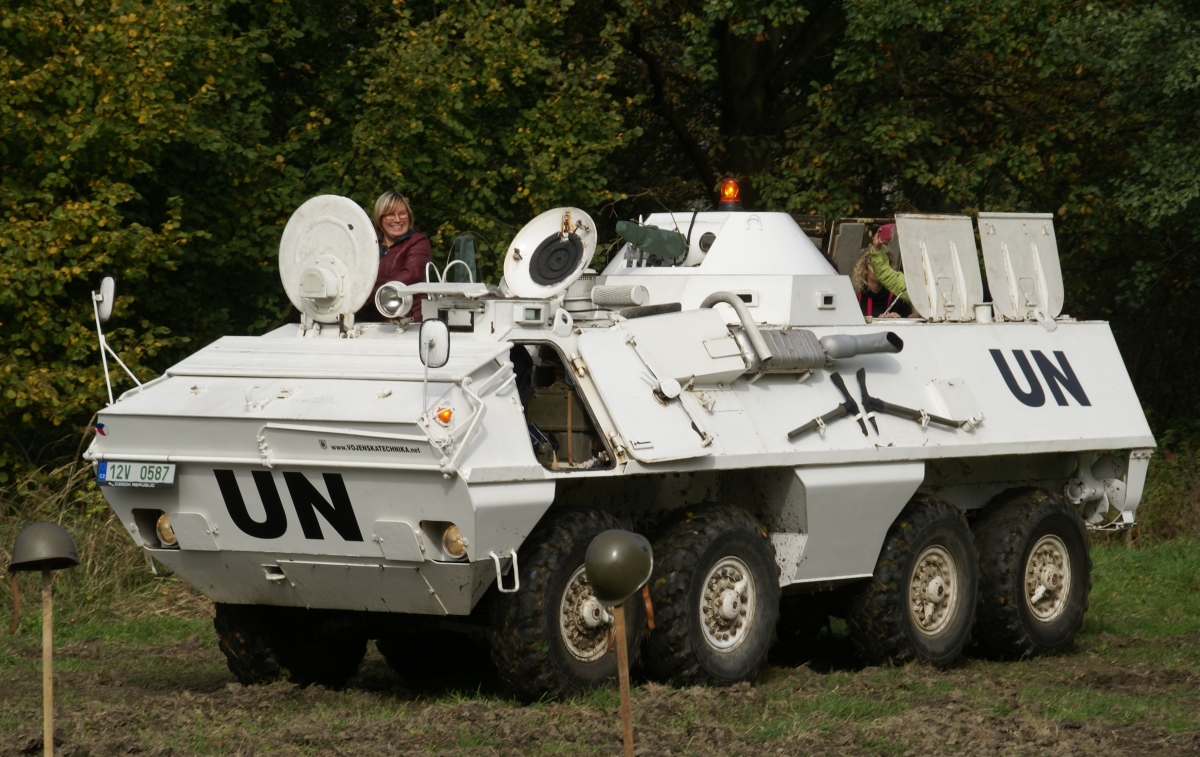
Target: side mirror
(434,343)
(104,300)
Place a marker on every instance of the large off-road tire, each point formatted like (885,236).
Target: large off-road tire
(715,590)
(434,658)
(244,638)
(550,638)
(263,643)
(920,602)
(419,657)
(1032,544)
(319,647)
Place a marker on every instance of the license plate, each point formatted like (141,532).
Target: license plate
(141,475)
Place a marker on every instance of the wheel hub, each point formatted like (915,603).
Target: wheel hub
(727,604)
(592,614)
(1047,578)
(731,603)
(583,622)
(933,590)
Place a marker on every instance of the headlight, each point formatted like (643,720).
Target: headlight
(453,542)
(391,301)
(166,534)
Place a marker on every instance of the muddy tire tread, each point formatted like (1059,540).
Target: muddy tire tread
(518,633)
(877,612)
(261,644)
(242,636)
(322,651)
(1002,533)
(670,654)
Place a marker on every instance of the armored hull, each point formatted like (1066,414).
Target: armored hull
(320,467)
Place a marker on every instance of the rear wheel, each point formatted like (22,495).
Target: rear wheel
(920,602)
(1035,574)
(715,591)
(552,636)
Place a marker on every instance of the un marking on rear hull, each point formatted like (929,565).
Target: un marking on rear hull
(307,501)
(1057,378)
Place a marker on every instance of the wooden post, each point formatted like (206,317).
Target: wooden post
(47,666)
(623,678)
(16,603)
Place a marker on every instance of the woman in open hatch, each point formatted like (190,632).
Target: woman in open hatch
(877,298)
(404,252)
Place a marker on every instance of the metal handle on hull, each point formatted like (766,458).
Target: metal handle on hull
(756,339)
(500,575)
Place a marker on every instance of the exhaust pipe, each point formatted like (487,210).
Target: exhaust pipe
(839,346)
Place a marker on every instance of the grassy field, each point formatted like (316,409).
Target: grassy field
(137,670)
(157,684)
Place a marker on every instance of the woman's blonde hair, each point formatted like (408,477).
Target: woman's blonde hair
(387,204)
(858,274)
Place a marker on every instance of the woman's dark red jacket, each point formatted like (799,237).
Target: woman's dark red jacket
(405,262)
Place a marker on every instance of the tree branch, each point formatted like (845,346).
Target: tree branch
(826,28)
(663,107)
(794,40)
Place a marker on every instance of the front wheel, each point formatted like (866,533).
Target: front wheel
(551,638)
(1035,574)
(244,637)
(261,643)
(715,592)
(920,602)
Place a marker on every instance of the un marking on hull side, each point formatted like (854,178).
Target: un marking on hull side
(1057,378)
(306,500)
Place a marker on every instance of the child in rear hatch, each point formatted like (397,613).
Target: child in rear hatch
(877,284)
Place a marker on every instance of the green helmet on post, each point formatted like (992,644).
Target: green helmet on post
(44,546)
(618,563)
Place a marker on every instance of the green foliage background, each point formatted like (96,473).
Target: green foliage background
(166,142)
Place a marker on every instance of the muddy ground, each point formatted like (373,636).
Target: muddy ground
(1110,696)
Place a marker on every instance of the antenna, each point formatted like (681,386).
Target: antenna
(102,307)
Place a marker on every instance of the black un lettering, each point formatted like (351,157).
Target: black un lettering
(275,521)
(339,513)
(1036,396)
(1057,378)
(1065,377)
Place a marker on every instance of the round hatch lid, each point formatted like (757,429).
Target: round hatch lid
(328,258)
(550,253)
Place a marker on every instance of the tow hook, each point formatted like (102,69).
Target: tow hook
(500,572)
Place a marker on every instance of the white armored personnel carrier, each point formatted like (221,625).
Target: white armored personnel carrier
(336,481)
